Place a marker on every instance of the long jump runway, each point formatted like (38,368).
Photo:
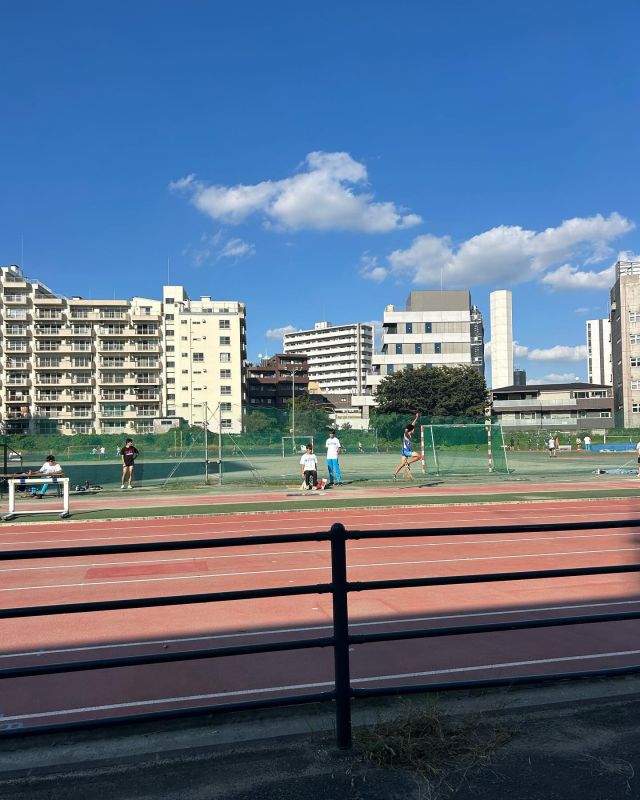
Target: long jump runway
(59,699)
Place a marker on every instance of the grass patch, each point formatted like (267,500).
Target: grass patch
(441,754)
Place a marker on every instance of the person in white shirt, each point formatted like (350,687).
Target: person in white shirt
(551,444)
(333,450)
(309,467)
(50,467)
(587,444)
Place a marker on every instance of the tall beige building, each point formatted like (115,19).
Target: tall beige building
(625,343)
(72,365)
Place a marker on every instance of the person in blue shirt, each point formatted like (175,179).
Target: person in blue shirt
(408,455)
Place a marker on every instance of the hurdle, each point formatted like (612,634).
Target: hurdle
(52,480)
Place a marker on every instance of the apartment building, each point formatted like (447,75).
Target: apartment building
(339,356)
(599,361)
(625,343)
(204,359)
(273,382)
(435,329)
(73,365)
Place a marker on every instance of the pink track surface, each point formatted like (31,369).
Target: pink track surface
(67,698)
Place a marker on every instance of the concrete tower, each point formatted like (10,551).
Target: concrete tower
(501,339)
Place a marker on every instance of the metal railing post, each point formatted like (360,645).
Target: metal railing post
(341,635)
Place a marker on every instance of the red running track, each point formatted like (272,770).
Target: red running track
(67,698)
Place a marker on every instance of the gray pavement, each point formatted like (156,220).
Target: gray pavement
(568,741)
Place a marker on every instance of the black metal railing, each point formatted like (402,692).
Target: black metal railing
(341,639)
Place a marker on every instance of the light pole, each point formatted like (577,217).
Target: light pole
(293,405)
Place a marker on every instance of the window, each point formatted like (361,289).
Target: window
(635,384)
(185,371)
(224,324)
(225,390)
(169,300)
(634,316)
(225,406)
(408,328)
(169,317)
(170,348)
(635,361)
(225,422)
(184,338)
(635,407)
(225,340)
(398,349)
(198,356)
(418,349)
(427,327)
(225,357)
(183,321)
(437,347)
(389,369)
(171,397)
(634,338)
(171,364)
(171,380)
(225,373)
(170,332)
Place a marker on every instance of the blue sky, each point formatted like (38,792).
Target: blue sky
(319,161)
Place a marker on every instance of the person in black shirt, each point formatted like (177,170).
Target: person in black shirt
(128,453)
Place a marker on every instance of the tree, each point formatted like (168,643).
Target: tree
(259,422)
(434,391)
(311,417)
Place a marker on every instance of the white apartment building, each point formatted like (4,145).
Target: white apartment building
(204,359)
(339,356)
(625,343)
(599,361)
(501,339)
(72,365)
(435,329)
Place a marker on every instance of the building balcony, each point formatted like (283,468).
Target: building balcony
(47,299)
(16,299)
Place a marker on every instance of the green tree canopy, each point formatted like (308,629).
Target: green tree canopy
(311,417)
(434,391)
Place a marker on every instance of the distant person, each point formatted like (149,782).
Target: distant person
(129,455)
(50,467)
(102,452)
(309,467)
(333,451)
(551,444)
(587,444)
(94,452)
(408,456)
(578,443)
(557,443)
(512,443)
(360,448)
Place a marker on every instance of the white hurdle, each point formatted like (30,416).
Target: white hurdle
(40,480)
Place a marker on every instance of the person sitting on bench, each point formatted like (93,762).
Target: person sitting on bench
(50,467)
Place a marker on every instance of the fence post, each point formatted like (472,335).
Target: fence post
(341,635)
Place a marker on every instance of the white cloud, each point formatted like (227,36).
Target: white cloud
(322,196)
(556,377)
(505,254)
(278,333)
(568,277)
(236,248)
(212,248)
(370,269)
(558,353)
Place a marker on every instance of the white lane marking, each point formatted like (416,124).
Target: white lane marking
(318,551)
(309,628)
(324,568)
(313,528)
(319,684)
